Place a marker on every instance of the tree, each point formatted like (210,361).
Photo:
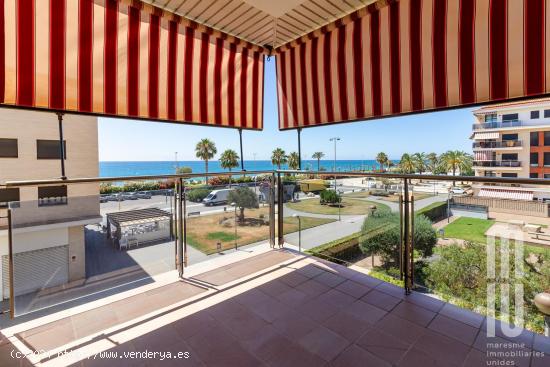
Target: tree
(433,162)
(205,150)
(293,161)
(381,236)
(382,160)
(330,197)
(318,156)
(244,198)
(420,162)
(278,157)
(456,160)
(184,170)
(407,164)
(229,159)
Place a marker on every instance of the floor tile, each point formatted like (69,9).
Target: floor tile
(399,328)
(442,348)
(385,346)
(352,288)
(462,315)
(413,313)
(463,333)
(381,300)
(329,279)
(323,342)
(354,356)
(347,325)
(427,302)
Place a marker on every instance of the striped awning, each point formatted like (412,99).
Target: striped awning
(506,194)
(400,56)
(483,136)
(129,59)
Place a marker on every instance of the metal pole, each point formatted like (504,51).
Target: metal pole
(272,210)
(174,211)
(299,234)
(184,220)
(235,217)
(400,237)
(180,229)
(241,142)
(299,130)
(61,145)
(280,207)
(10,261)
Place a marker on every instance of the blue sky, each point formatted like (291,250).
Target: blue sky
(127,140)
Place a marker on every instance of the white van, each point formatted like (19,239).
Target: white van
(216,197)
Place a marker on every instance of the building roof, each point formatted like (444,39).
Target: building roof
(514,104)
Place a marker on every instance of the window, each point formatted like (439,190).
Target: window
(505,174)
(547,159)
(547,138)
(547,175)
(8,148)
(535,114)
(534,159)
(506,137)
(535,139)
(546,114)
(52,195)
(49,149)
(492,117)
(533,175)
(7,196)
(510,117)
(510,157)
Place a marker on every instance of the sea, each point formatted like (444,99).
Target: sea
(133,168)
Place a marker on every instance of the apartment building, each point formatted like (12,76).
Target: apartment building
(513,140)
(48,222)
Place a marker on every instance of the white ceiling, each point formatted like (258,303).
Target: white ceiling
(263,22)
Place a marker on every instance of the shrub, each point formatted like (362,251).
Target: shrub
(196,195)
(329,197)
(381,236)
(434,212)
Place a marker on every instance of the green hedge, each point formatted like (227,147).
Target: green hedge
(434,212)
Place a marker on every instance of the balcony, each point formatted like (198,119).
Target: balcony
(495,163)
(286,283)
(498,125)
(493,145)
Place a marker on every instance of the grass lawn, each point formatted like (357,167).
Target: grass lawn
(417,196)
(204,232)
(358,194)
(349,206)
(469,229)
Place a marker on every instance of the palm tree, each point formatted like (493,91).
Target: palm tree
(407,163)
(278,157)
(456,160)
(382,160)
(229,159)
(433,162)
(318,156)
(293,160)
(205,150)
(419,162)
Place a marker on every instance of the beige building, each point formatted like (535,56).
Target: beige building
(48,222)
(513,140)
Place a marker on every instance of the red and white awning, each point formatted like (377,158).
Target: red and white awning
(401,56)
(506,194)
(126,58)
(483,136)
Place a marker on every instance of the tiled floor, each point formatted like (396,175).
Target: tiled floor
(306,312)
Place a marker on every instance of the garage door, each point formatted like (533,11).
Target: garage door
(39,269)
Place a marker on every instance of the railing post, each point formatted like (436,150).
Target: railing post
(272,183)
(184,222)
(180,227)
(280,209)
(407,222)
(10,264)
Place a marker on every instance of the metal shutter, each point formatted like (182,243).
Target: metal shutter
(35,270)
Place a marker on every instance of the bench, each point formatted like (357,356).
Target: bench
(536,235)
(193,213)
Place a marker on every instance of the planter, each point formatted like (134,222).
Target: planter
(542,301)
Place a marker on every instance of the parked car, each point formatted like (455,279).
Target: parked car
(104,198)
(216,197)
(144,194)
(458,191)
(129,196)
(115,197)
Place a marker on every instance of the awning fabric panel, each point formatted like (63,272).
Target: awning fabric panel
(483,136)
(129,59)
(400,56)
(506,194)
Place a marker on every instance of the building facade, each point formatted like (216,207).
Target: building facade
(48,222)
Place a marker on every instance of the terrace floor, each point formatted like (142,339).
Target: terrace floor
(264,307)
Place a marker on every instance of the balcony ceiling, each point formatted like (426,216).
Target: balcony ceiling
(263,22)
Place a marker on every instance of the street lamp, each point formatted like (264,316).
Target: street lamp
(340,192)
(235,218)
(299,231)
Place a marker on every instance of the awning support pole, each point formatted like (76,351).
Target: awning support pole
(299,130)
(61,145)
(241,143)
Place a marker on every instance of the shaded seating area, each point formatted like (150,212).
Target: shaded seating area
(135,227)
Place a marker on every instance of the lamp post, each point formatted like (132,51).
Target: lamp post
(339,192)
(235,218)
(299,231)
(335,139)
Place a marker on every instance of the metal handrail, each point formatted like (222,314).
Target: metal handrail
(497,144)
(400,176)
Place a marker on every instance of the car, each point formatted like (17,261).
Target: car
(104,198)
(129,196)
(143,194)
(217,197)
(458,191)
(115,197)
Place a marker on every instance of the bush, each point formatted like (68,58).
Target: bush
(330,197)
(244,198)
(196,195)
(381,236)
(434,212)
